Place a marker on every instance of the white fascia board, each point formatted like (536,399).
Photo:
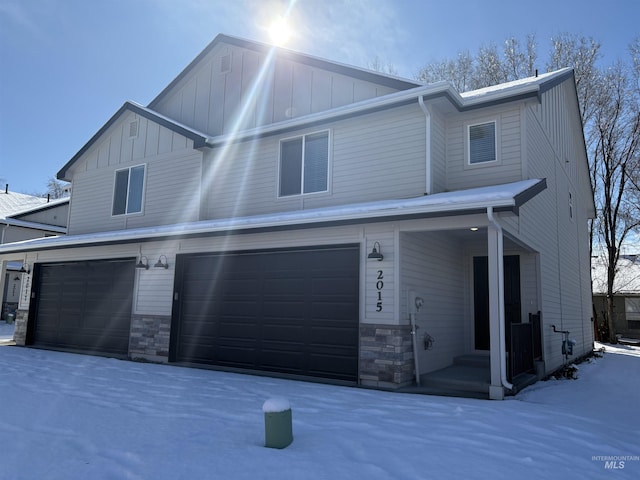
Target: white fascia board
(345,110)
(473,99)
(500,196)
(33,225)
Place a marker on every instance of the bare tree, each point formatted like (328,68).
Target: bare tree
(56,189)
(460,72)
(609,102)
(616,132)
(383,67)
(489,66)
(581,54)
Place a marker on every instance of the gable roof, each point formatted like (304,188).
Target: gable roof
(531,87)
(13,202)
(507,197)
(128,106)
(391,81)
(57,202)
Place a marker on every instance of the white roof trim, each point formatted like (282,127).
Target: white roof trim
(499,196)
(471,99)
(12,222)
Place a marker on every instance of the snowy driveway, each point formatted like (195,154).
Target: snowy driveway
(65,416)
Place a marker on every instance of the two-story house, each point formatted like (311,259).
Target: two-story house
(276,212)
(23,217)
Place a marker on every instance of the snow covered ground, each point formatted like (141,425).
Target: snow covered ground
(65,416)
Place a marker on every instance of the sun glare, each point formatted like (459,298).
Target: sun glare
(279,31)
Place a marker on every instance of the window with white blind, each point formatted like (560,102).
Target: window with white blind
(481,143)
(128,190)
(304,164)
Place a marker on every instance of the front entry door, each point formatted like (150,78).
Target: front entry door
(512,308)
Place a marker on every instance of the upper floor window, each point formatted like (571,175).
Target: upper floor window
(304,164)
(127,193)
(482,143)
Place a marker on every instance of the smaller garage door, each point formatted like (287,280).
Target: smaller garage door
(293,311)
(83,306)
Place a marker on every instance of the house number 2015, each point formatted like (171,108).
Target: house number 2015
(379,287)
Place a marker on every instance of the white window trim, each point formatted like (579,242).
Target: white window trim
(467,144)
(144,188)
(329,164)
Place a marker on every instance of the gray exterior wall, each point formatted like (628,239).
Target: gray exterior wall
(557,232)
(56,215)
(507,169)
(172,183)
(620,321)
(434,266)
(372,157)
(17,234)
(209,100)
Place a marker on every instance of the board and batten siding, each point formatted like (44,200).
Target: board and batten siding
(559,118)
(172,178)
(562,242)
(216,102)
(434,267)
(508,169)
(378,156)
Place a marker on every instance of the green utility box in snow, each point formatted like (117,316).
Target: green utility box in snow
(11,318)
(278,428)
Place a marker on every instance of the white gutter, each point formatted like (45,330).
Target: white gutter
(460,101)
(350,109)
(427,146)
(503,353)
(478,199)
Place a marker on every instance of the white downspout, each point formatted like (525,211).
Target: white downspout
(427,116)
(503,354)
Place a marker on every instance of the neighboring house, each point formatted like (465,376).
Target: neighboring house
(626,300)
(272,211)
(24,217)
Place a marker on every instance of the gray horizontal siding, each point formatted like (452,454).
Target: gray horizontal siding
(432,265)
(373,157)
(172,190)
(508,169)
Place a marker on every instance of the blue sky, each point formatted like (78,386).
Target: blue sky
(67,65)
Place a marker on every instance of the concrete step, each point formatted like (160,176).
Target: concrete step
(459,378)
(472,360)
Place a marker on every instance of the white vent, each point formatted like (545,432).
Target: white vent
(225,63)
(133,129)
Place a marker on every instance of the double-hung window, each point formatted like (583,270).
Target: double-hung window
(482,145)
(304,164)
(128,190)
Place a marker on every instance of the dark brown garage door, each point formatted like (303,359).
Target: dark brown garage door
(83,306)
(293,311)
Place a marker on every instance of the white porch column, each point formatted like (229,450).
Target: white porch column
(496,305)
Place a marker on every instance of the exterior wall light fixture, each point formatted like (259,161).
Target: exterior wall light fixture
(160,264)
(142,264)
(376,253)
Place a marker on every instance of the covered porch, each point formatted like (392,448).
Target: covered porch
(472,301)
